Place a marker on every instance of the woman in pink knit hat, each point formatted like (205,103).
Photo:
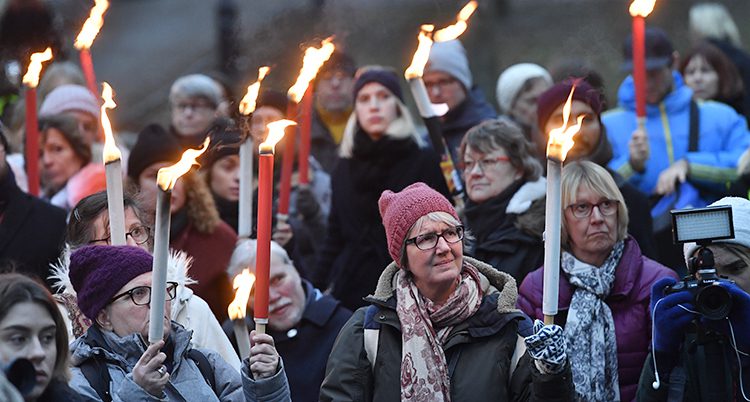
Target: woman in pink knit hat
(442,326)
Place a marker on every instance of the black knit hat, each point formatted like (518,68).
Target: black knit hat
(386,78)
(154,144)
(274,99)
(225,141)
(339,61)
(659,50)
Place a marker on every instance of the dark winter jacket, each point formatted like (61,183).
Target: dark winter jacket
(322,145)
(355,249)
(478,351)
(31,230)
(498,240)
(58,391)
(629,301)
(472,111)
(306,346)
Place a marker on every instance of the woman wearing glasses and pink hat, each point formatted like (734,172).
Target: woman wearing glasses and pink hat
(605,287)
(442,326)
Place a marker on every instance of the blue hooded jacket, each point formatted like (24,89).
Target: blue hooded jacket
(723,137)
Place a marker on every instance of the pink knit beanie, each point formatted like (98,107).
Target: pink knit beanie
(66,98)
(400,211)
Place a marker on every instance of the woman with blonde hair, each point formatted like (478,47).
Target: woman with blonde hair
(381,150)
(605,287)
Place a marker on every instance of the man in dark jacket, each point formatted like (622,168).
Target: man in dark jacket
(449,80)
(303,322)
(31,231)
(333,105)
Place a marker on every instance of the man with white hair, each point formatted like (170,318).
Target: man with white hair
(194,100)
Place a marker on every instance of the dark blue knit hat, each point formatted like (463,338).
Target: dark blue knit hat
(386,78)
(99,272)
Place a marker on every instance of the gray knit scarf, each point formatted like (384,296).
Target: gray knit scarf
(590,329)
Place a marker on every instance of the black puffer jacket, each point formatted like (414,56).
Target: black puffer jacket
(479,352)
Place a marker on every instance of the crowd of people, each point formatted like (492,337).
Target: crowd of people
(382,286)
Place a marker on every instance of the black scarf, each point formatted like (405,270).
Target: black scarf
(372,166)
(229,211)
(179,221)
(485,218)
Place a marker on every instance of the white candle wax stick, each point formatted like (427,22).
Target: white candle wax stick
(115,203)
(421,97)
(159,274)
(243,337)
(552,224)
(245,224)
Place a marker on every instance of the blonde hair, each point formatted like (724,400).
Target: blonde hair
(598,180)
(713,21)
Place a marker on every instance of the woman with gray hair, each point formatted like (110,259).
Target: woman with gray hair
(381,150)
(503,180)
(194,100)
(604,288)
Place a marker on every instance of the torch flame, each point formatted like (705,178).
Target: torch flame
(641,7)
(247,104)
(91,27)
(167,176)
(243,282)
(454,31)
(311,63)
(416,68)
(561,138)
(31,78)
(110,153)
(275,134)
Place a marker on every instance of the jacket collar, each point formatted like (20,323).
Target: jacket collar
(675,102)
(324,308)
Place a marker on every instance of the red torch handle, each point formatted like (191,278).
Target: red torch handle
(88,70)
(32,142)
(287,163)
(263,259)
(639,65)
(304,135)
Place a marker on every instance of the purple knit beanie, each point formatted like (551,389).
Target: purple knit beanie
(66,98)
(99,272)
(558,94)
(400,211)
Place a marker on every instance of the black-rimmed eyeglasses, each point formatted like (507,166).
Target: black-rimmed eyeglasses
(141,295)
(429,241)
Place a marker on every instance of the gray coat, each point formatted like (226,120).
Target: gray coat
(186,382)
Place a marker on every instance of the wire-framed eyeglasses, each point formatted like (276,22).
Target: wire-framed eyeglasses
(139,233)
(583,209)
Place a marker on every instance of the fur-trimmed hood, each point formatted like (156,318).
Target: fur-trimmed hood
(492,281)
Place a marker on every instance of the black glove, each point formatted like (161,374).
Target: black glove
(307,204)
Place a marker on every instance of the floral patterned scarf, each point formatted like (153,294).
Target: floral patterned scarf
(590,329)
(425,326)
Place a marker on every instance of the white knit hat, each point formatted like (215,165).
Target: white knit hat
(450,57)
(512,80)
(740,220)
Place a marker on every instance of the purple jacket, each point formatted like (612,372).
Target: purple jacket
(629,302)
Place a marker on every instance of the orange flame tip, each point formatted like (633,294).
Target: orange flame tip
(31,78)
(454,31)
(247,104)
(167,176)
(311,63)
(641,8)
(91,27)
(275,134)
(422,54)
(243,282)
(561,138)
(110,153)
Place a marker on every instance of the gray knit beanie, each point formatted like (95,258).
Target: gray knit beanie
(450,57)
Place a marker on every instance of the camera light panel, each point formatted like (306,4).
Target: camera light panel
(695,225)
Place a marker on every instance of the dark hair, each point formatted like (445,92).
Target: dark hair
(730,82)
(491,135)
(18,288)
(67,125)
(80,231)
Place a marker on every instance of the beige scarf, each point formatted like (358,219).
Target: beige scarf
(425,326)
